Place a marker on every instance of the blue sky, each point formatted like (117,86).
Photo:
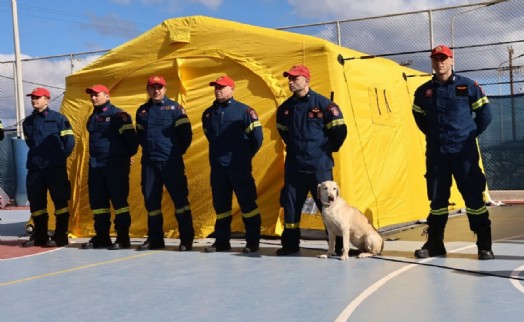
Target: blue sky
(55,27)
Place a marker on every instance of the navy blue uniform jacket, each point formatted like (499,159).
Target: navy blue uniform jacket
(312,127)
(234,133)
(50,139)
(164,130)
(443,112)
(111,135)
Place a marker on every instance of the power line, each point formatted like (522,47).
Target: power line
(80,19)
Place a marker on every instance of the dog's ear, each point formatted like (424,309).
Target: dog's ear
(318,190)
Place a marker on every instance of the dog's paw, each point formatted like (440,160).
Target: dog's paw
(344,257)
(364,255)
(323,256)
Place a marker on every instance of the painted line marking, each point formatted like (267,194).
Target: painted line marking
(116,260)
(516,283)
(352,306)
(54,249)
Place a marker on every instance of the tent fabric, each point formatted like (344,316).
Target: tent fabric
(380,167)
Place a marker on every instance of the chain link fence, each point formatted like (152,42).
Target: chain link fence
(48,72)
(488,45)
(486,38)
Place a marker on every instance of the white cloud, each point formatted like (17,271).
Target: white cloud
(351,9)
(48,73)
(174,5)
(211,4)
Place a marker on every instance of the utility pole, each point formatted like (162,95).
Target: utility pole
(511,92)
(20,149)
(20,109)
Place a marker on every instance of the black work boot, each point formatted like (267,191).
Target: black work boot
(186,230)
(98,241)
(152,245)
(222,236)
(339,246)
(218,247)
(435,244)
(290,242)
(39,237)
(484,243)
(155,234)
(122,240)
(481,226)
(252,226)
(60,237)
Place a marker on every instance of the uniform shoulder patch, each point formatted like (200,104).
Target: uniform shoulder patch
(252,114)
(123,116)
(478,85)
(333,109)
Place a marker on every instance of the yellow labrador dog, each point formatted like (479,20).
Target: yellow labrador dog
(341,219)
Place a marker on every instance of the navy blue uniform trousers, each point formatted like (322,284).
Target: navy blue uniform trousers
(471,183)
(39,181)
(292,198)
(156,175)
(110,182)
(224,181)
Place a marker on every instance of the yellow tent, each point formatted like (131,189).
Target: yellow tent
(380,167)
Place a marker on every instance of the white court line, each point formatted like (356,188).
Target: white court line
(346,313)
(51,249)
(515,282)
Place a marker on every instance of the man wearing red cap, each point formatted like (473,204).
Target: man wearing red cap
(235,135)
(312,128)
(112,143)
(443,110)
(165,135)
(50,139)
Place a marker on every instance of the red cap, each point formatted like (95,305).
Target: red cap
(39,91)
(298,70)
(156,80)
(97,89)
(441,50)
(223,81)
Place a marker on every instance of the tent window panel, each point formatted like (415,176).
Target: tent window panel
(382,107)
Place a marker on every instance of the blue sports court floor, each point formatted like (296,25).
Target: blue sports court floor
(72,284)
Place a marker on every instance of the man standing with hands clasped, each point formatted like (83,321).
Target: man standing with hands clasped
(112,143)
(235,135)
(443,109)
(312,128)
(165,135)
(50,139)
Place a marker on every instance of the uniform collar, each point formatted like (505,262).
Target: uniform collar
(162,102)
(304,98)
(451,79)
(225,103)
(43,113)
(102,108)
